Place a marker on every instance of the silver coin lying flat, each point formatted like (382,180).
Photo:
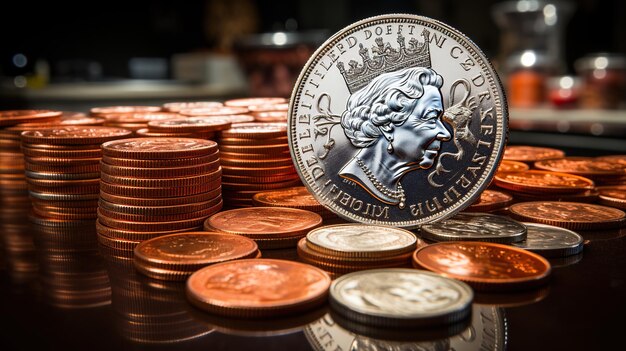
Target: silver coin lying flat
(397,120)
(475,227)
(400,297)
(550,241)
(360,240)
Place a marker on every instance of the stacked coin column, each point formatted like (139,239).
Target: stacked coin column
(255,157)
(155,186)
(62,169)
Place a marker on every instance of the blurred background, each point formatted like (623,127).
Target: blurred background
(563,62)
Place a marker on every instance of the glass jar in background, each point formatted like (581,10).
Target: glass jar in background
(603,80)
(526,76)
(564,91)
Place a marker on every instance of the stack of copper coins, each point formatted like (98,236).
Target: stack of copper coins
(255,157)
(269,109)
(270,227)
(178,106)
(71,269)
(155,186)
(177,256)
(296,197)
(345,248)
(138,121)
(62,169)
(149,311)
(191,127)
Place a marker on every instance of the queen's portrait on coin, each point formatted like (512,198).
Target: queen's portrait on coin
(395,122)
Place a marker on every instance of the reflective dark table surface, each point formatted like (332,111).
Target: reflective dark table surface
(59,292)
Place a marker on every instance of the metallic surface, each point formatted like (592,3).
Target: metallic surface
(475,227)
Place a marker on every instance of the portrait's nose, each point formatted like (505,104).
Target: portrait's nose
(442,133)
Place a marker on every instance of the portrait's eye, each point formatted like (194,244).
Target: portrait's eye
(431,115)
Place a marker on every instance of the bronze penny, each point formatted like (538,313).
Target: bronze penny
(258,288)
(584,166)
(74,135)
(199,179)
(177,106)
(166,201)
(543,181)
(188,252)
(512,166)
(141,118)
(256,130)
(165,163)
(296,197)
(63,153)
(119,110)
(165,172)
(271,116)
(158,148)
(485,266)
(161,192)
(614,196)
(621,159)
(64,121)
(570,215)
(192,124)
(214,111)
(146,133)
(531,153)
(12,117)
(490,200)
(255,101)
(254,141)
(269,107)
(265,222)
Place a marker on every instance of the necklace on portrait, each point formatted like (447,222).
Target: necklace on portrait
(394,194)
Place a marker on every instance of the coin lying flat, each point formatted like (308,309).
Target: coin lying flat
(512,166)
(485,266)
(543,181)
(525,153)
(475,227)
(400,297)
(490,200)
(584,166)
(551,241)
(257,288)
(397,120)
(614,196)
(570,215)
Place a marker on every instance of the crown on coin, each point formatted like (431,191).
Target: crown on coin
(385,59)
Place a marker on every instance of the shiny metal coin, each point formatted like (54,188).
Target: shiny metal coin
(400,297)
(397,120)
(550,241)
(475,227)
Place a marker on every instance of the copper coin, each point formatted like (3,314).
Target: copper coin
(259,172)
(570,215)
(256,130)
(12,117)
(133,235)
(512,166)
(267,163)
(621,159)
(296,197)
(193,250)
(234,179)
(177,106)
(158,148)
(485,266)
(64,121)
(258,288)
(169,172)
(111,110)
(166,201)
(153,226)
(204,212)
(164,182)
(542,181)
(214,111)
(245,102)
(260,222)
(74,135)
(61,162)
(161,192)
(192,124)
(587,196)
(271,116)
(165,163)
(261,186)
(583,166)
(81,168)
(63,153)
(490,200)
(531,153)
(614,196)
(141,118)
(146,133)
(254,141)
(61,176)
(257,151)
(269,107)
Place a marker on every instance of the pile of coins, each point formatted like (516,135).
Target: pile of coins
(155,186)
(191,127)
(177,256)
(295,197)
(63,169)
(255,157)
(138,121)
(345,248)
(263,109)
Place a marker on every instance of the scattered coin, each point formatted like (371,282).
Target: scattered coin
(475,227)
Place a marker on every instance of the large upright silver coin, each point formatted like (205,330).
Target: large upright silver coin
(397,120)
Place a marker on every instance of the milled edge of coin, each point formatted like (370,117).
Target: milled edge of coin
(433,232)
(461,309)
(500,104)
(556,251)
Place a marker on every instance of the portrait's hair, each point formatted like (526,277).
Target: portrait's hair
(386,101)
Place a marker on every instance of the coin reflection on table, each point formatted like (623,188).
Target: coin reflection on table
(487,330)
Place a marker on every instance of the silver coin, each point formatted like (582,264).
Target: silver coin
(550,241)
(397,120)
(488,331)
(357,240)
(400,297)
(475,227)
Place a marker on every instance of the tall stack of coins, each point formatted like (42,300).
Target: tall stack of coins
(71,269)
(191,127)
(62,169)
(296,197)
(137,121)
(345,248)
(270,227)
(156,186)
(177,256)
(255,157)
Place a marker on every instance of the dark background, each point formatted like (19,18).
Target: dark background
(112,32)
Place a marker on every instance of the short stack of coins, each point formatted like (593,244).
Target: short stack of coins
(191,127)
(296,197)
(63,169)
(255,157)
(155,186)
(345,248)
